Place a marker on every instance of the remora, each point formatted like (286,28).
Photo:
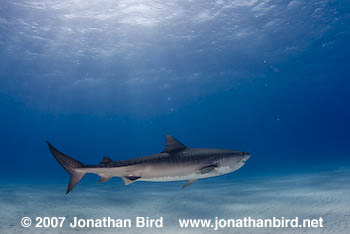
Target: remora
(176,162)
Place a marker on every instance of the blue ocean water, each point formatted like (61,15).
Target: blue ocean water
(112,78)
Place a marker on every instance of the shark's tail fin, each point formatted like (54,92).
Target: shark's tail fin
(70,165)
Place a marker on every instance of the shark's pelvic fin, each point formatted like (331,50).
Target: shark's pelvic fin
(130,179)
(189,183)
(104,178)
(106,160)
(70,165)
(173,145)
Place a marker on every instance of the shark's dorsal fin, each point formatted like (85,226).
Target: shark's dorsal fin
(106,160)
(173,145)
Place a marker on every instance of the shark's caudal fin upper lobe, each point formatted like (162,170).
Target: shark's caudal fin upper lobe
(70,165)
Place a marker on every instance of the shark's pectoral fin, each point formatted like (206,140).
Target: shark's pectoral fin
(104,178)
(130,179)
(207,169)
(189,183)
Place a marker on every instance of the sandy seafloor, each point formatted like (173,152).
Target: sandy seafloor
(324,194)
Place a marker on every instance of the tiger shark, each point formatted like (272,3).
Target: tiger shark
(176,162)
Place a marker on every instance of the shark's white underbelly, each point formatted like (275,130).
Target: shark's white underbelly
(191,176)
(156,174)
(179,178)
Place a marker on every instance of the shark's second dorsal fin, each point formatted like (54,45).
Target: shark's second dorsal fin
(106,160)
(173,145)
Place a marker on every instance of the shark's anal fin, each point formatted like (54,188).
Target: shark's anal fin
(189,183)
(173,145)
(207,169)
(106,160)
(104,178)
(130,179)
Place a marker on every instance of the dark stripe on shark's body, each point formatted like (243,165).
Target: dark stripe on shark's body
(176,162)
